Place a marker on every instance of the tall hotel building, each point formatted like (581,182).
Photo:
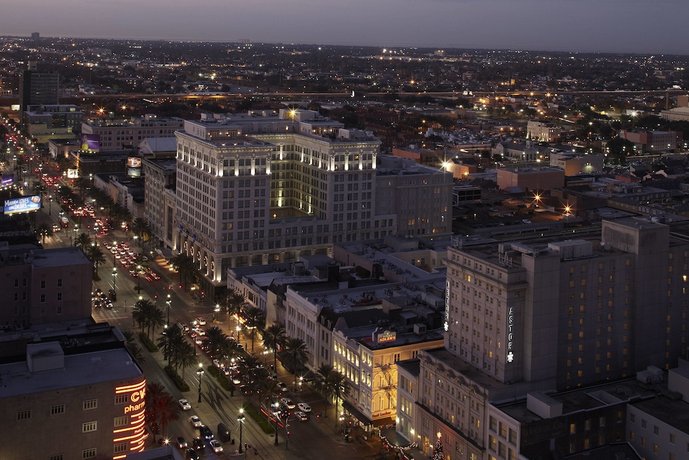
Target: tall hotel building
(262,188)
(528,317)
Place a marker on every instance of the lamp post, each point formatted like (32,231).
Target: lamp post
(200,374)
(76,230)
(240,420)
(114,253)
(276,407)
(168,302)
(114,280)
(138,289)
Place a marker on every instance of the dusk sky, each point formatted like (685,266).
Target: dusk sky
(642,26)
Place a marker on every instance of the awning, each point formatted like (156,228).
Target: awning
(356,413)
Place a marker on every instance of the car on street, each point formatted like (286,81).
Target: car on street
(184,404)
(301,416)
(283,386)
(195,421)
(197,444)
(192,454)
(217,447)
(182,443)
(206,432)
(288,403)
(304,407)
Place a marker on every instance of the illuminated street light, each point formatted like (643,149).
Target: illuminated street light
(200,375)
(240,420)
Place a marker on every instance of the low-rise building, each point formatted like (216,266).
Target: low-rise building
(534,179)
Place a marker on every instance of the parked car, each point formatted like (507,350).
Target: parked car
(301,416)
(197,443)
(182,443)
(192,454)
(184,404)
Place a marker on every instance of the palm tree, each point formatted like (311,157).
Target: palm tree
(140,228)
(168,411)
(297,354)
(147,315)
(96,256)
(274,337)
(44,230)
(154,394)
(184,265)
(185,357)
(255,319)
(83,240)
(216,340)
(171,341)
(332,383)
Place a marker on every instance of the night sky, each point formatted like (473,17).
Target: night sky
(642,26)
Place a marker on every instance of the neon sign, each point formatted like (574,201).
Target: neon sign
(134,433)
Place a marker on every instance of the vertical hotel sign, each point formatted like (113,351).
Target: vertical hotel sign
(134,407)
(446,323)
(510,334)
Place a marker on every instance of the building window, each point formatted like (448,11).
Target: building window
(121,399)
(42,284)
(122,420)
(89,404)
(572,428)
(88,453)
(57,409)
(119,448)
(24,415)
(89,427)
(59,282)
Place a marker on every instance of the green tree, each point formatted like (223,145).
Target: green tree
(161,408)
(216,341)
(332,384)
(82,241)
(96,256)
(254,320)
(185,266)
(296,354)
(274,337)
(44,230)
(148,316)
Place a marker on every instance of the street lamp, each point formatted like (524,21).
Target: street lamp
(114,253)
(168,302)
(301,381)
(240,420)
(200,374)
(276,406)
(238,328)
(114,280)
(76,230)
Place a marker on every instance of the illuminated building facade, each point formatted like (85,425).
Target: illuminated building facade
(78,394)
(267,188)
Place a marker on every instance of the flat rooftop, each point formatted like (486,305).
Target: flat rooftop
(674,413)
(582,399)
(79,370)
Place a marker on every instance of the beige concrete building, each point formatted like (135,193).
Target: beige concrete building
(574,164)
(267,188)
(370,365)
(114,135)
(530,178)
(542,132)
(159,176)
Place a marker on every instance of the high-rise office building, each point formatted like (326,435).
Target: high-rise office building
(263,188)
(40,88)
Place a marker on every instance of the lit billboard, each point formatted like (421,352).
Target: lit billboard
(90,142)
(22,204)
(72,173)
(7,180)
(134,167)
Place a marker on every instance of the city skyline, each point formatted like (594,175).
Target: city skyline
(558,25)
